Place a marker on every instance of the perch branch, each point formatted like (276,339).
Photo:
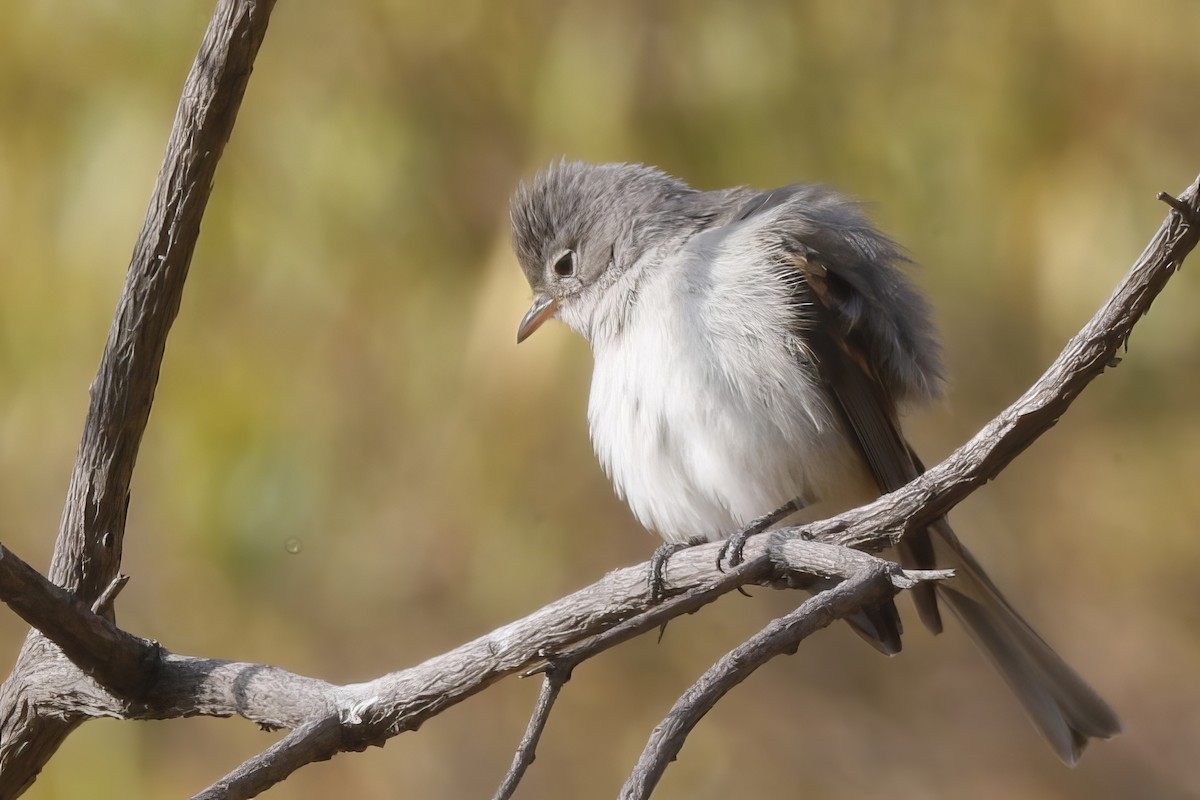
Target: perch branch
(368,713)
(819,559)
(557,667)
(404,700)
(371,712)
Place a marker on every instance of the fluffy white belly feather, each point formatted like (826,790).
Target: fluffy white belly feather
(689,435)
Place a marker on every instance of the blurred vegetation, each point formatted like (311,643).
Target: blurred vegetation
(343,374)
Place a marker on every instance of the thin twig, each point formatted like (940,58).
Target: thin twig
(318,740)
(552,683)
(1187,212)
(104,603)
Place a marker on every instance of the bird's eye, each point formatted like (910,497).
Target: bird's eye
(565,266)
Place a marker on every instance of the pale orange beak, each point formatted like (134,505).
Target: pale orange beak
(543,308)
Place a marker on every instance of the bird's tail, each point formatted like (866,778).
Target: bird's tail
(1066,710)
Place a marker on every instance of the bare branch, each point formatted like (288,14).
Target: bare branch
(375,711)
(116,674)
(558,666)
(782,636)
(788,553)
(87,554)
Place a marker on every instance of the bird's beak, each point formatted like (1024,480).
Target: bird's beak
(543,308)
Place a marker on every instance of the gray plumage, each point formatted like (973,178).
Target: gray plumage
(752,348)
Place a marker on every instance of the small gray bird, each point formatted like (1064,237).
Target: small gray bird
(752,348)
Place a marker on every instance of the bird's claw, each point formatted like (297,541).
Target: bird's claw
(733,550)
(657,580)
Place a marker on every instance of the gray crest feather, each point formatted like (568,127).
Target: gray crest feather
(576,205)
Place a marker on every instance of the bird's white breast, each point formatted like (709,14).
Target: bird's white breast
(701,409)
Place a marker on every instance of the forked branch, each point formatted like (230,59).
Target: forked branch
(87,553)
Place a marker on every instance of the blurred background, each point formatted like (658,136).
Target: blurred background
(343,379)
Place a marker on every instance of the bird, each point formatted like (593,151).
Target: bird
(756,348)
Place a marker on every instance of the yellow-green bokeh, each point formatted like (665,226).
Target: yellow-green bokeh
(343,374)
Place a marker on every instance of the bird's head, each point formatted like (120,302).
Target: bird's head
(578,226)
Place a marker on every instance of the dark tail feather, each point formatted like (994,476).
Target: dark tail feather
(878,625)
(1061,704)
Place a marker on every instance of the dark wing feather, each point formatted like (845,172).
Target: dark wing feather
(868,411)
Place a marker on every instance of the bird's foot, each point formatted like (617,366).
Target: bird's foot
(658,566)
(732,551)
